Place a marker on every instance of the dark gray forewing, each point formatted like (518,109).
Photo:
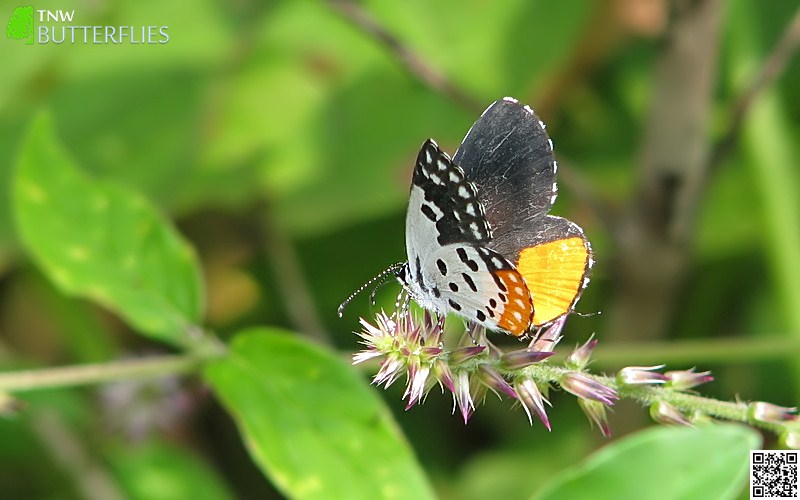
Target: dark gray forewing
(509,157)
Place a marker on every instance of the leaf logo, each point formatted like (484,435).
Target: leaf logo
(20,26)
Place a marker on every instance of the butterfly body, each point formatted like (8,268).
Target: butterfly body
(478,237)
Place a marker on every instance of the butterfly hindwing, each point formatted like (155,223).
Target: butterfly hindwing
(554,257)
(480,285)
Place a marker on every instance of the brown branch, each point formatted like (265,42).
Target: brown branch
(415,65)
(654,236)
(438,82)
(289,276)
(70,452)
(603,33)
(773,66)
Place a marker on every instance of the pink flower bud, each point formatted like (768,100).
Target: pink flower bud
(770,413)
(493,380)
(683,380)
(581,355)
(516,360)
(641,375)
(463,354)
(532,400)
(442,372)
(549,338)
(588,388)
(462,396)
(664,413)
(596,413)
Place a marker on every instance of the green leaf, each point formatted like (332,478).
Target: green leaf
(99,241)
(664,462)
(157,471)
(311,423)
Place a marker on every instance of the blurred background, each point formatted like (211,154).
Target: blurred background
(280,137)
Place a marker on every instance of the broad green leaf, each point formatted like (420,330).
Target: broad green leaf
(311,423)
(156,471)
(663,463)
(99,241)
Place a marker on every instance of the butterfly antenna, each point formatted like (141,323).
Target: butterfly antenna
(382,277)
(382,281)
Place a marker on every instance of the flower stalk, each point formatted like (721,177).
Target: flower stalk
(526,375)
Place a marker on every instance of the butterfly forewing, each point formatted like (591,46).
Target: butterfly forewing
(448,199)
(509,157)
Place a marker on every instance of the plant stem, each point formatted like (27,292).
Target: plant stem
(649,394)
(68,376)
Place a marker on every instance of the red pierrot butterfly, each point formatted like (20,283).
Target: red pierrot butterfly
(479,239)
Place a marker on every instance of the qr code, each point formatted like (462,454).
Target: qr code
(773,474)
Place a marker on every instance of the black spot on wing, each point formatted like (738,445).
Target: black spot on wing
(455,305)
(480,315)
(453,287)
(500,285)
(428,212)
(442,267)
(469,281)
(462,255)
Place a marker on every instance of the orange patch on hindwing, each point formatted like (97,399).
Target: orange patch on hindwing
(554,273)
(514,300)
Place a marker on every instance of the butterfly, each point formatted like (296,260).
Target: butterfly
(479,240)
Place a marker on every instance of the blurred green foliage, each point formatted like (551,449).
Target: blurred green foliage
(285,115)
(102,242)
(645,466)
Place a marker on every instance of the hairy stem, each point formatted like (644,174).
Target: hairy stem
(96,373)
(646,395)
